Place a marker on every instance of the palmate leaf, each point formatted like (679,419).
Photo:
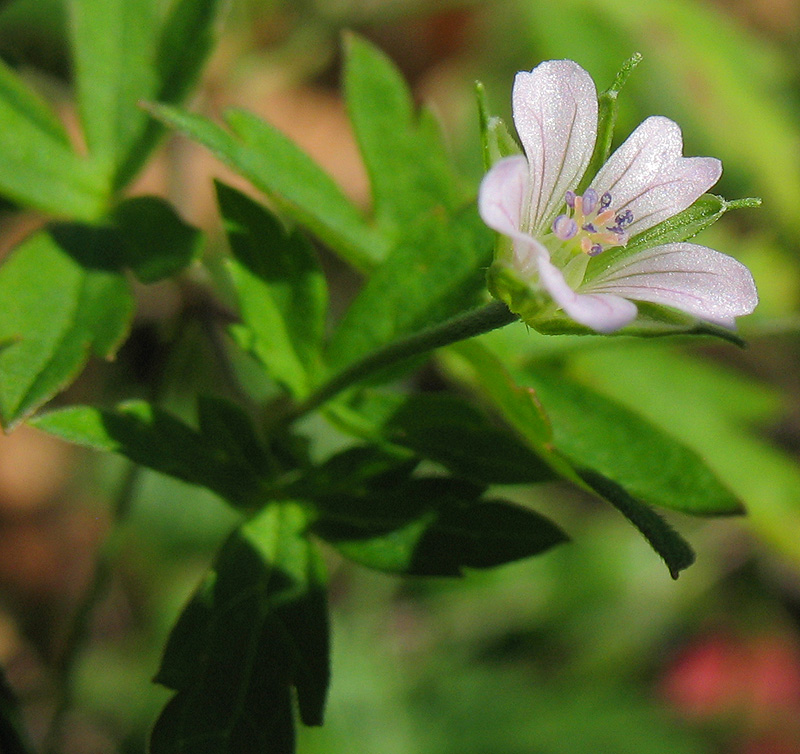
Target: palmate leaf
(39,168)
(452,432)
(125,53)
(446,540)
(225,456)
(61,304)
(256,630)
(408,166)
(428,526)
(279,168)
(281,290)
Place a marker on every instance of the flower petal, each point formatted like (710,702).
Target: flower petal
(555,113)
(695,279)
(502,192)
(649,175)
(600,311)
(500,202)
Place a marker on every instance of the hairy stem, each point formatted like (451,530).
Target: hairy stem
(474,322)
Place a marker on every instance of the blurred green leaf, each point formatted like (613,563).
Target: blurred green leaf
(276,166)
(153,438)
(436,271)
(157,242)
(113,44)
(123,55)
(257,628)
(596,433)
(518,406)
(714,411)
(39,168)
(409,168)
(64,298)
(281,290)
(675,551)
(187,36)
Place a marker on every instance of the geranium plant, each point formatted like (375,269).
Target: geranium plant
(418,483)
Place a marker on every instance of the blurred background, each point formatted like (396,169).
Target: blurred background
(590,648)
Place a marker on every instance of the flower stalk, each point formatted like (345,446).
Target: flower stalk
(467,325)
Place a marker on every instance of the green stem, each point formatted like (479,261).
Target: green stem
(79,630)
(474,322)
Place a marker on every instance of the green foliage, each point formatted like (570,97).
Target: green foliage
(434,272)
(381,517)
(157,243)
(62,302)
(256,630)
(397,480)
(662,537)
(276,166)
(230,463)
(125,54)
(452,432)
(281,289)
(596,433)
(410,171)
(39,168)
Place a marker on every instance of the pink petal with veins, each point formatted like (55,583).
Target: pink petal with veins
(695,279)
(649,175)
(555,114)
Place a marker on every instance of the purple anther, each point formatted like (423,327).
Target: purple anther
(605,201)
(624,218)
(569,198)
(565,227)
(595,250)
(589,228)
(589,201)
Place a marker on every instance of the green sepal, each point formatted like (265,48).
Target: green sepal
(606,120)
(522,298)
(653,321)
(496,139)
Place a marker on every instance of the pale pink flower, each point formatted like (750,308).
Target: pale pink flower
(554,232)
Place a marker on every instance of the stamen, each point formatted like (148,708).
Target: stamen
(586,220)
(565,227)
(624,218)
(589,201)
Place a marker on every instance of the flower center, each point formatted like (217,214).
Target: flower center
(591,223)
